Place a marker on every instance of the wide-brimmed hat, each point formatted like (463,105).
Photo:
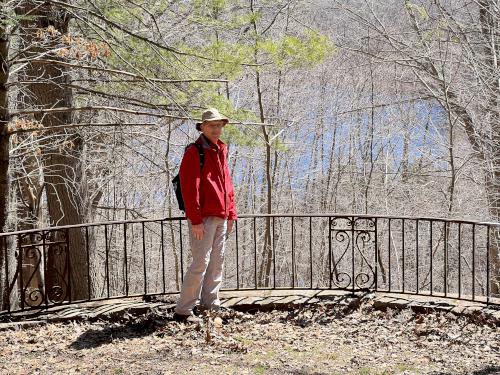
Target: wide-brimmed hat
(211,114)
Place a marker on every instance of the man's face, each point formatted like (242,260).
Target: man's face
(212,129)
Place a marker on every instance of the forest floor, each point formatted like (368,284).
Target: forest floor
(312,339)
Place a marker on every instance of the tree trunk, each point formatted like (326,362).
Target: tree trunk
(63,173)
(4,153)
(267,255)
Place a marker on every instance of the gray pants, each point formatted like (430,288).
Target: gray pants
(204,276)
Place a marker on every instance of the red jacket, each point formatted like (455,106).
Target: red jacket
(207,192)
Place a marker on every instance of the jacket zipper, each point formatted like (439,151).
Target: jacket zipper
(224,186)
(223,175)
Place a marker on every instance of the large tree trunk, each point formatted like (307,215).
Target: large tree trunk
(63,173)
(4,153)
(27,191)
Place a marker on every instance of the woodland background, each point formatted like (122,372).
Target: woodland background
(365,107)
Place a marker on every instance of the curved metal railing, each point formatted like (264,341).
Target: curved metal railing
(88,262)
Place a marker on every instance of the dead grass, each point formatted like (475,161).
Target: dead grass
(317,339)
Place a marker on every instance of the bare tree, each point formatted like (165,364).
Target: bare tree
(4,145)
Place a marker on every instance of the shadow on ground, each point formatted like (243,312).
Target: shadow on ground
(488,370)
(94,338)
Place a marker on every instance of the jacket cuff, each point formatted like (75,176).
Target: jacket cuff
(195,219)
(232,216)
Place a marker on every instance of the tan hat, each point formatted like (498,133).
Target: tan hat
(211,114)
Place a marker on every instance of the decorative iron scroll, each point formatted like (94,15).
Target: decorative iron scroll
(355,235)
(42,273)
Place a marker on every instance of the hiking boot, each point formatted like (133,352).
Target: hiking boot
(192,319)
(199,310)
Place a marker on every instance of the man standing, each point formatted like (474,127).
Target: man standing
(209,202)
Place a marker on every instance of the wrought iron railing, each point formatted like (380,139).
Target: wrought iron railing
(88,262)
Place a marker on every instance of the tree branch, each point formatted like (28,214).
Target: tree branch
(115,71)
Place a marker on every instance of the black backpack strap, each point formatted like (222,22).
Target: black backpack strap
(201,152)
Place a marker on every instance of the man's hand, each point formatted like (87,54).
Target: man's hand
(230,224)
(198,231)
